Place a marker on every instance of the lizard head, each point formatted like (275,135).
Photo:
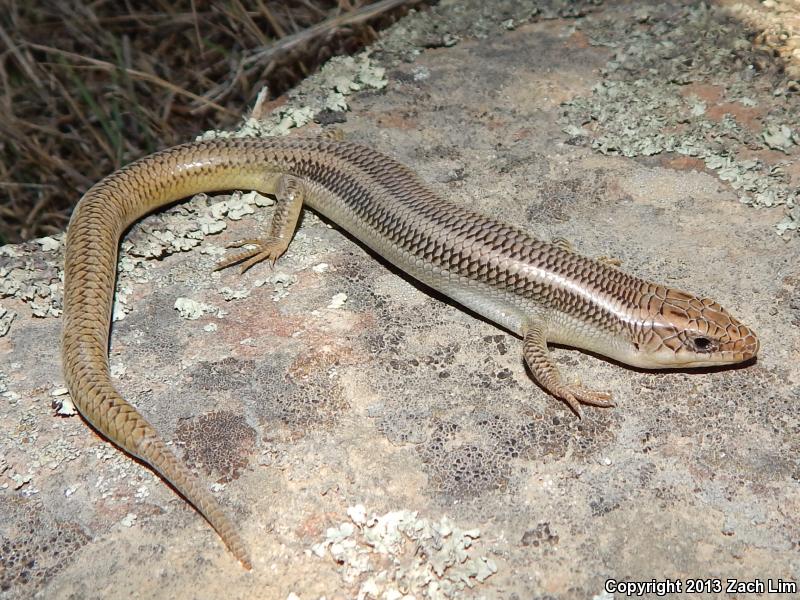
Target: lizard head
(678,330)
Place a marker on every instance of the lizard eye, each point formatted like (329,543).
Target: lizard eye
(702,344)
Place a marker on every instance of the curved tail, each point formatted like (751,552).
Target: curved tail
(89,277)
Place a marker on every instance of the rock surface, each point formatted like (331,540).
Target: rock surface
(348,418)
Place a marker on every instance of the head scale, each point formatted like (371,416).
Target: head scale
(678,330)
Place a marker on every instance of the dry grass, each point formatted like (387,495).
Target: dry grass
(87,86)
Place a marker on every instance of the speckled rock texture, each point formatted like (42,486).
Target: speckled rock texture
(374,441)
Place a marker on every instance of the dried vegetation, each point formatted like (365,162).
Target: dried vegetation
(86,87)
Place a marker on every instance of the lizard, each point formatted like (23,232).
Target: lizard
(542,291)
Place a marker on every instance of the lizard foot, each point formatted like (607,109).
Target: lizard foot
(575,395)
(335,133)
(610,260)
(265,249)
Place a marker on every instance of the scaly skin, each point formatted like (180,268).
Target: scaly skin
(542,291)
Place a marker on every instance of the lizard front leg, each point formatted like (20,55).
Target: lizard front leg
(289,196)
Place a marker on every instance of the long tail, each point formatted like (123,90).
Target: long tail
(89,277)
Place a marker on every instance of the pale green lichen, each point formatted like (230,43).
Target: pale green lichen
(327,91)
(49,244)
(230,294)
(780,137)
(640,108)
(121,308)
(25,277)
(7,317)
(281,282)
(401,553)
(338,300)
(42,297)
(192,309)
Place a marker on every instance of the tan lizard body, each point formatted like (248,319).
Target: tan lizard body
(542,291)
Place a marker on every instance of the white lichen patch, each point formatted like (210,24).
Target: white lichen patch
(56,452)
(230,294)
(790,222)
(121,307)
(128,520)
(348,74)
(11,397)
(286,119)
(64,406)
(780,137)
(29,275)
(10,251)
(184,227)
(400,555)
(161,236)
(126,264)
(338,300)
(22,278)
(239,207)
(280,284)
(7,317)
(20,479)
(42,305)
(49,244)
(192,309)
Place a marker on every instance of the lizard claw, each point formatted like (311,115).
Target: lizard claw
(575,395)
(265,249)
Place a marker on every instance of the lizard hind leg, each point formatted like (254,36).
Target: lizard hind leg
(568,246)
(289,196)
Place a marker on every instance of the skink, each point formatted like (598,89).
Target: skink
(542,291)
